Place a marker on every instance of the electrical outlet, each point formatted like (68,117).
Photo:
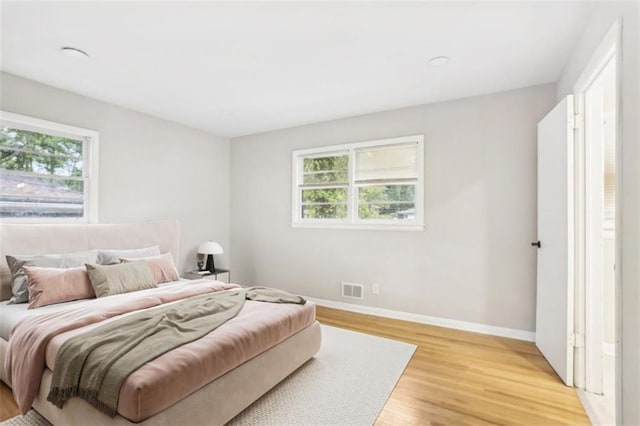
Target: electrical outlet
(375,288)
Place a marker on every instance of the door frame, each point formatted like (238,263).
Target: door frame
(586,294)
(594,240)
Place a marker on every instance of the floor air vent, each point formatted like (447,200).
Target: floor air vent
(352,291)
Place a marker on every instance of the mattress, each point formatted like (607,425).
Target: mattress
(178,373)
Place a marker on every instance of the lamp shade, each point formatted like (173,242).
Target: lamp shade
(210,247)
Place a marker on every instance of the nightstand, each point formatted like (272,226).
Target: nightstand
(223,275)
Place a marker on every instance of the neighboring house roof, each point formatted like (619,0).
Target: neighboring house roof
(407,211)
(26,188)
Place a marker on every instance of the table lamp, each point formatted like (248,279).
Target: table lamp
(210,248)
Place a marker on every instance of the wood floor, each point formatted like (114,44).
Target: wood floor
(8,407)
(454,378)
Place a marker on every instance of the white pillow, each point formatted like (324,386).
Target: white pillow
(111,257)
(19,280)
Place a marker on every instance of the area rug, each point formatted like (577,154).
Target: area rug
(346,383)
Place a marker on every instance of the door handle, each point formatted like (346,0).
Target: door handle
(536,244)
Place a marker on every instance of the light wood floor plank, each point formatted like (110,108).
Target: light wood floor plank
(8,406)
(458,377)
(454,378)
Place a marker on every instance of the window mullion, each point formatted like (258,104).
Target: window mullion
(323,185)
(352,192)
(42,175)
(41,154)
(86,173)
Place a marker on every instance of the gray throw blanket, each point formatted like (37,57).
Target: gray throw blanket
(93,365)
(273,295)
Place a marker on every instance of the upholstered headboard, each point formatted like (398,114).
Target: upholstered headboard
(21,239)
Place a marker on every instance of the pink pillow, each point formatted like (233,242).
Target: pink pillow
(54,285)
(162,267)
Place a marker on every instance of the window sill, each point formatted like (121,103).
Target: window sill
(359,227)
(48,220)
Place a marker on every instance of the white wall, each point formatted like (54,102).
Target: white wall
(601,20)
(473,262)
(149,168)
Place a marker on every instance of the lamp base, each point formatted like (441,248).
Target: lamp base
(211,267)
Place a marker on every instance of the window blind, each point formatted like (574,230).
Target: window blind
(387,163)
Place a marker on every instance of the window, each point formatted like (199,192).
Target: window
(48,171)
(372,185)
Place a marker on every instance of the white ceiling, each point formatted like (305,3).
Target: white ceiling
(240,68)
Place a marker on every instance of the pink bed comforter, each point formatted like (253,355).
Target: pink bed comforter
(157,385)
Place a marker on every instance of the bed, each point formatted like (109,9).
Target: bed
(216,397)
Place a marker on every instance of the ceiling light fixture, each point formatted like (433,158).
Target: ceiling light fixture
(76,53)
(439,60)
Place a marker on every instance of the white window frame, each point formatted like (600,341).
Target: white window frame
(352,221)
(90,149)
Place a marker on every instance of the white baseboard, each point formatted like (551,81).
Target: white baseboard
(598,409)
(512,333)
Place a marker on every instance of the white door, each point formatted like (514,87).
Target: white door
(555,298)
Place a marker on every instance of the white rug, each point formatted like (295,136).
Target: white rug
(346,383)
(30,419)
